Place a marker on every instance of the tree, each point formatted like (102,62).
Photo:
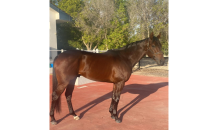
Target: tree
(140,14)
(110,24)
(146,16)
(71,7)
(69,35)
(118,33)
(55,2)
(160,22)
(95,21)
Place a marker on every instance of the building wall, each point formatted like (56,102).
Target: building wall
(54,15)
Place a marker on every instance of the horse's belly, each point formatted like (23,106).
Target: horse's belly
(98,70)
(104,69)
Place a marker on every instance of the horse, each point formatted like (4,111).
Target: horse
(113,66)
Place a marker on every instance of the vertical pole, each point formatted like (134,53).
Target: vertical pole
(139,64)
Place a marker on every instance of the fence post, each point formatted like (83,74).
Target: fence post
(139,64)
(62,50)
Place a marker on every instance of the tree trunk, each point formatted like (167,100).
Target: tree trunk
(148,27)
(95,47)
(87,47)
(90,46)
(106,39)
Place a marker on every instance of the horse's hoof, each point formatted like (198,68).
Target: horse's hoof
(112,117)
(118,120)
(76,117)
(53,122)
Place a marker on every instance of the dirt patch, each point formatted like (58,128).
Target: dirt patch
(152,72)
(152,69)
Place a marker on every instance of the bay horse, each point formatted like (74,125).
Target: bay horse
(113,66)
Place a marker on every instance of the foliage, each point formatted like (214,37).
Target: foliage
(118,33)
(110,24)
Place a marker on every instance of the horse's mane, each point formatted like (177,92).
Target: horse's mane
(130,45)
(135,43)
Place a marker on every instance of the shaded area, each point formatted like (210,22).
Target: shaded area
(142,91)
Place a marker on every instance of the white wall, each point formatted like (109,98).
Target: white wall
(54,15)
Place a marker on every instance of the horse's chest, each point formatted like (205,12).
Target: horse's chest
(121,72)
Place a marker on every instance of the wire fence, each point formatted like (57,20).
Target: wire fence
(54,53)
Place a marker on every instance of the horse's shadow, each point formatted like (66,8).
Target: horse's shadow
(142,91)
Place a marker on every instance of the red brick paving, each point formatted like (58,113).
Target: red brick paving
(143,106)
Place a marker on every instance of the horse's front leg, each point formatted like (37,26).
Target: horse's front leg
(118,87)
(112,107)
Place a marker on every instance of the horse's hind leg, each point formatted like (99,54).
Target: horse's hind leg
(68,95)
(56,101)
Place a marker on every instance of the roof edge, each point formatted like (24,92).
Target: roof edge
(62,14)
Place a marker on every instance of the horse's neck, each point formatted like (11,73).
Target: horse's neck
(135,53)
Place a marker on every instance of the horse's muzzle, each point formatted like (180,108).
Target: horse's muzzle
(161,62)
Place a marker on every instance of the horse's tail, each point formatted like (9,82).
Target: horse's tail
(55,85)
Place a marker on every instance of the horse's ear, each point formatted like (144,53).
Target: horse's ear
(159,35)
(151,36)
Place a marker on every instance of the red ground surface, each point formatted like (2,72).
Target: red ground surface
(143,106)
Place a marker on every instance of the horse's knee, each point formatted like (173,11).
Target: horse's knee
(68,98)
(114,112)
(110,109)
(116,99)
(69,91)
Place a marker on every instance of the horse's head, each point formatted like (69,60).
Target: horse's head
(154,49)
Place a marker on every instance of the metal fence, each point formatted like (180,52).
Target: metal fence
(95,51)
(54,53)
